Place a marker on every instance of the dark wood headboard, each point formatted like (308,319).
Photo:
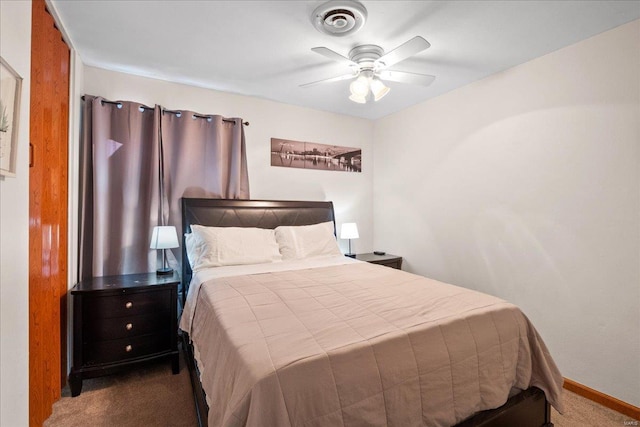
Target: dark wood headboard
(248,213)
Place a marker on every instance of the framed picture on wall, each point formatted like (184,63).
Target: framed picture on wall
(10,90)
(310,155)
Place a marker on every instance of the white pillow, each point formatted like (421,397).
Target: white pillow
(189,243)
(192,252)
(220,246)
(305,241)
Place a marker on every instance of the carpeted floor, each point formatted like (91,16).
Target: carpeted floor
(583,412)
(152,396)
(148,396)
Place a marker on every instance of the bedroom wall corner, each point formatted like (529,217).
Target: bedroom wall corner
(75,107)
(526,185)
(76,83)
(15,33)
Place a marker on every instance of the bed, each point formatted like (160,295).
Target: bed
(334,341)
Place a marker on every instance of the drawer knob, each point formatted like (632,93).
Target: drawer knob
(129,326)
(128,348)
(129,304)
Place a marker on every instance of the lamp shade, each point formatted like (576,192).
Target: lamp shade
(349,230)
(360,86)
(164,237)
(378,89)
(358,99)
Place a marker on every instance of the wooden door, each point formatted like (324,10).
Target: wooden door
(47,214)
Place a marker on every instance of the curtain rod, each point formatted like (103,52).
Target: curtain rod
(176,112)
(119,104)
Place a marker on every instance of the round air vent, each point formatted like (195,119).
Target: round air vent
(339,17)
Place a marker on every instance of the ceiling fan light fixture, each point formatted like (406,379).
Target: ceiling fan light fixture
(368,64)
(378,89)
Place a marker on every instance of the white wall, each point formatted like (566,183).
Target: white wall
(526,185)
(15,48)
(350,192)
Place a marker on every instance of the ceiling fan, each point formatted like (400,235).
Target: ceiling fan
(370,66)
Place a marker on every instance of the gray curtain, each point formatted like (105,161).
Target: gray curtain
(136,164)
(202,156)
(119,187)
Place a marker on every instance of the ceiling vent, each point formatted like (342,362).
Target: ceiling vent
(339,17)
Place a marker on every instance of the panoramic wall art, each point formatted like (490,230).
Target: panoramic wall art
(309,155)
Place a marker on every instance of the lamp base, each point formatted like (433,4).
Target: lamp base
(350,255)
(164,271)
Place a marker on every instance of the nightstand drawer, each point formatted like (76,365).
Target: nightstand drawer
(128,326)
(128,304)
(126,348)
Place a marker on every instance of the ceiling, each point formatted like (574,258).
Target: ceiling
(263,48)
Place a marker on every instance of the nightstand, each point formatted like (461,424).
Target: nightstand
(387,260)
(122,321)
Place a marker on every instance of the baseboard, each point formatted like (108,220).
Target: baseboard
(603,399)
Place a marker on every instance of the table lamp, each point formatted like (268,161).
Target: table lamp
(164,237)
(349,230)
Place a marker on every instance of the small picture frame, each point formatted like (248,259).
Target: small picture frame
(10,92)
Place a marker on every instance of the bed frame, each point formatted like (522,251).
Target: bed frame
(528,408)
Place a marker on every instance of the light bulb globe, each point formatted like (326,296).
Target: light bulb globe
(360,86)
(378,89)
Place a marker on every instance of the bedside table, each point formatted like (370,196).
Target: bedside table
(387,260)
(121,321)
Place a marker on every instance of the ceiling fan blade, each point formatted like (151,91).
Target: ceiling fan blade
(331,80)
(335,56)
(405,77)
(402,52)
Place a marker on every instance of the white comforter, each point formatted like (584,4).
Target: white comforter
(340,342)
